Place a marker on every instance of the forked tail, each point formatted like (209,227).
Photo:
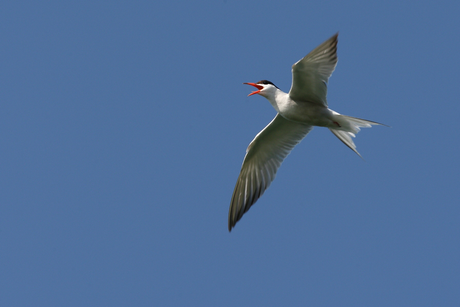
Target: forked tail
(349,126)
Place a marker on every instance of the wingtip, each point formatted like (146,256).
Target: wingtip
(231,221)
(335,36)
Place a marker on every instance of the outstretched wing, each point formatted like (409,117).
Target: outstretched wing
(263,158)
(310,74)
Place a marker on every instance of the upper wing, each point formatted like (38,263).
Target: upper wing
(310,74)
(263,158)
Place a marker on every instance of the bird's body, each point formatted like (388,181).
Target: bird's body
(299,110)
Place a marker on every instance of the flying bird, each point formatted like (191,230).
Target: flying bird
(299,110)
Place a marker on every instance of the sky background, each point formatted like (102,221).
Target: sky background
(123,126)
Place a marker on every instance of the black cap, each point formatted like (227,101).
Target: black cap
(266,82)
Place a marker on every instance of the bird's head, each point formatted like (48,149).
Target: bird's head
(264,88)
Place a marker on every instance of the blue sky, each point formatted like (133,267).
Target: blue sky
(124,125)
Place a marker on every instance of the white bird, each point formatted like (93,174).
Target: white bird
(299,110)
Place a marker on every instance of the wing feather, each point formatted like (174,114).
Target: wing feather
(263,158)
(311,74)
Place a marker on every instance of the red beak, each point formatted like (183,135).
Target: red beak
(259,87)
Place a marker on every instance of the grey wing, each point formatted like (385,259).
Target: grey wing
(310,74)
(263,158)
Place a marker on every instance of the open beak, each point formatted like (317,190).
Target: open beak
(259,87)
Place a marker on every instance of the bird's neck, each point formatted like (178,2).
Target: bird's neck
(278,100)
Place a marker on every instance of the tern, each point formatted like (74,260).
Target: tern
(299,110)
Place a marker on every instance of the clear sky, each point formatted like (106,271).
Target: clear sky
(123,126)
